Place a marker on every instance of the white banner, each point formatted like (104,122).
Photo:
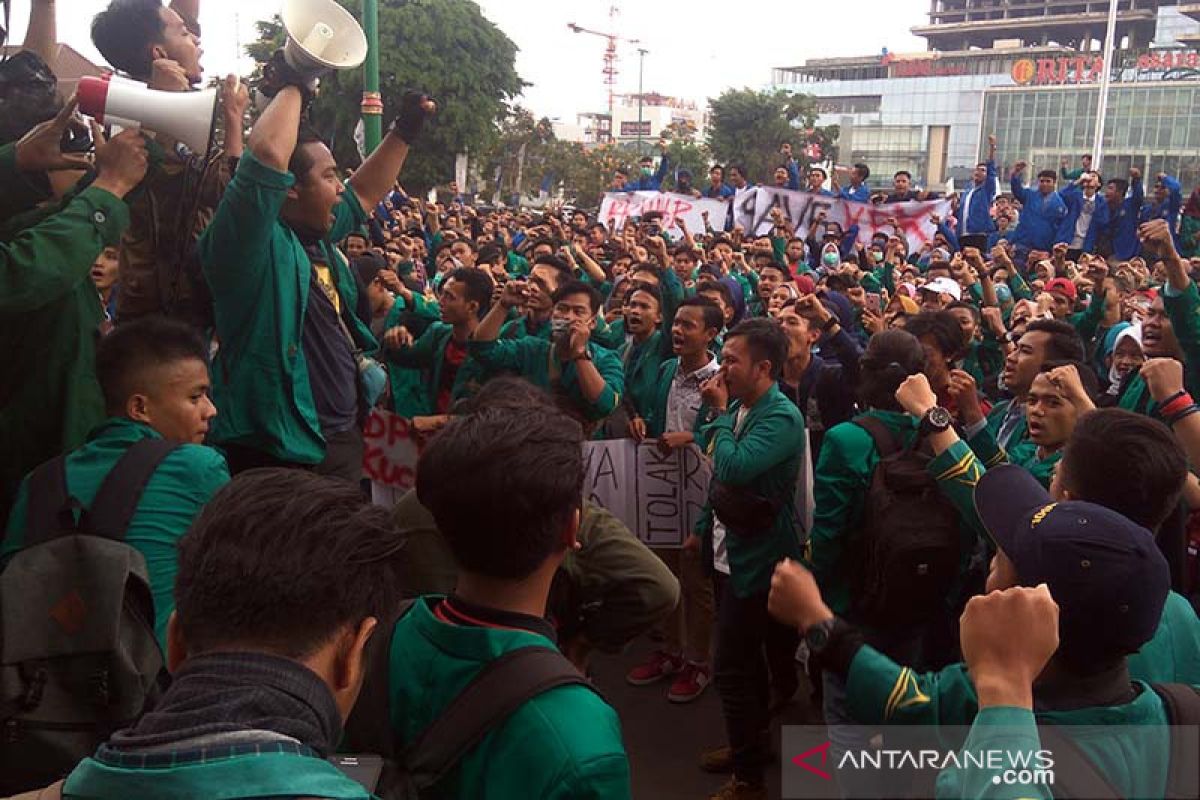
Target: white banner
(620,206)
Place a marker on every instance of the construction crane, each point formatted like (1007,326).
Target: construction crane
(610,56)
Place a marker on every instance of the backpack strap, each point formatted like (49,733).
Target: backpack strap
(1078,776)
(118,496)
(368,729)
(49,508)
(500,688)
(885,441)
(1183,709)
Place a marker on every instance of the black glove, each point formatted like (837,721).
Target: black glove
(278,73)
(413,113)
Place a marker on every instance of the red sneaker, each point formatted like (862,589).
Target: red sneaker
(690,684)
(659,666)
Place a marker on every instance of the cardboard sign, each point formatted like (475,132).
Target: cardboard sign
(389,451)
(617,207)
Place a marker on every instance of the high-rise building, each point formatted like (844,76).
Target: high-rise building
(1076,24)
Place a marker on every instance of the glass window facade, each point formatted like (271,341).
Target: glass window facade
(1155,127)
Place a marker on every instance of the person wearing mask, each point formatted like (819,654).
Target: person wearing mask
(679,413)
(1042,211)
(266,662)
(289,368)
(756,442)
(527,475)
(548,273)
(974,215)
(588,378)
(160,46)
(154,376)
(650,180)
(50,313)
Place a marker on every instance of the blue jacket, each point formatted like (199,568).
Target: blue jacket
(1041,216)
(793,171)
(859,194)
(654,182)
(975,213)
(1123,223)
(725,191)
(1073,197)
(1169,210)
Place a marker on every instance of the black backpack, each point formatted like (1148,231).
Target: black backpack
(909,546)
(78,656)
(410,770)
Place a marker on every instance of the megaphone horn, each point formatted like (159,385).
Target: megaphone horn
(321,36)
(186,116)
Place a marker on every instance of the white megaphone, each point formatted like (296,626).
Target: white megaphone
(321,36)
(186,116)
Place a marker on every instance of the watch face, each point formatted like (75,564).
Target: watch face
(940,418)
(817,636)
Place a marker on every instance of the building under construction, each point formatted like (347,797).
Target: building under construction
(1027,71)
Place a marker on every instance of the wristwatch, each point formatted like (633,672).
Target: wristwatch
(585,356)
(828,324)
(936,420)
(818,636)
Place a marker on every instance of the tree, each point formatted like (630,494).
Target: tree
(446,48)
(748,126)
(686,153)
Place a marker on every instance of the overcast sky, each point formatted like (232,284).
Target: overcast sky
(696,48)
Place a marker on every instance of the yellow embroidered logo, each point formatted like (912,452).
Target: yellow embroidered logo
(906,692)
(1041,515)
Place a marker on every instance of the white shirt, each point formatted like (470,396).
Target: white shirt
(683,398)
(1084,222)
(720,553)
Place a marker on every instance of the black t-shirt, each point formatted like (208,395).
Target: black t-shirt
(332,374)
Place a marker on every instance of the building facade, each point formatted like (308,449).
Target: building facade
(1027,72)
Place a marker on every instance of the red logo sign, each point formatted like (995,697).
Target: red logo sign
(821,750)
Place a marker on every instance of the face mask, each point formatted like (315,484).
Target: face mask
(830,259)
(875,256)
(1003,293)
(646,172)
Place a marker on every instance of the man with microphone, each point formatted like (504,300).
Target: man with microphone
(160,46)
(290,378)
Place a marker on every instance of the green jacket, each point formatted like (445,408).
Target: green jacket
(656,422)
(260,276)
(409,394)
(278,770)
(763,456)
(534,360)
(622,587)
(880,691)
(425,359)
(642,363)
(1184,312)
(183,483)
(995,419)
(998,729)
(50,315)
(564,743)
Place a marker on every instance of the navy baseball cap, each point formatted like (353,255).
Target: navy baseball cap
(1105,572)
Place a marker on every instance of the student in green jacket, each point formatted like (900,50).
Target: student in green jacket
(286,377)
(50,313)
(756,443)
(649,345)
(588,378)
(548,273)
(1107,610)
(265,647)
(526,481)
(440,355)
(154,375)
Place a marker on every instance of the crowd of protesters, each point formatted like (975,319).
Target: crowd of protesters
(199,600)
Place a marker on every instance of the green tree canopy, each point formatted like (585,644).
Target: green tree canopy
(446,48)
(748,127)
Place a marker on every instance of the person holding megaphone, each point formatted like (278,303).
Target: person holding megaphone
(290,379)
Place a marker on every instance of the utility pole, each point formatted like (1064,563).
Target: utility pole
(372,100)
(641,63)
(1105,80)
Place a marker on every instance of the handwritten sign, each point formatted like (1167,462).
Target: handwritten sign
(802,210)
(620,206)
(659,496)
(389,451)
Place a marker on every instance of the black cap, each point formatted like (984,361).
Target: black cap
(1105,572)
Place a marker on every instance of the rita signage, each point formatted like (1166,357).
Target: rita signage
(1068,69)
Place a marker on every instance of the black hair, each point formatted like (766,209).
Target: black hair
(301,161)
(864,169)
(1048,173)
(599,225)
(648,288)
(357,235)
(124,33)
(541,242)
(1064,343)
(1120,184)
(1106,437)
(891,356)
(903,172)
(711,270)
(943,328)
(489,254)
(974,309)
(775,265)
(686,252)
(647,266)
(741,168)
(721,289)
(713,317)
(717,166)
(282,560)
(839,282)
(124,356)
(579,287)
(824,174)
(479,286)
(367,267)
(562,271)
(765,340)
(527,481)
(464,240)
